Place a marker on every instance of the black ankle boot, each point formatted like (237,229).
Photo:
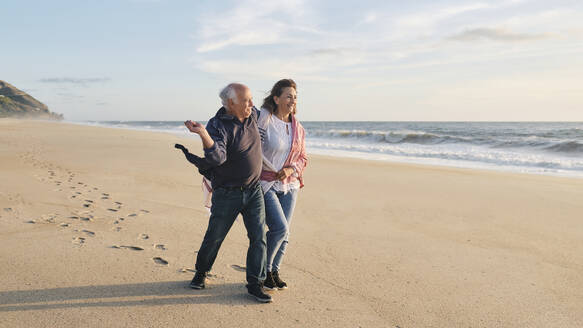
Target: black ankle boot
(198,282)
(269,283)
(278,282)
(256,291)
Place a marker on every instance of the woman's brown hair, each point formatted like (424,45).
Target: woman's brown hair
(276,91)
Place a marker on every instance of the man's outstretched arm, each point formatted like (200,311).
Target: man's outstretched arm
(213,142)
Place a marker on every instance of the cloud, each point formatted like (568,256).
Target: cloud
(252,23)
(316,67)
(433,20)
(370,18)
(497,34)
(329,51)
(78,81)
(379,44)
(248,38)
(69,95)
(427,19)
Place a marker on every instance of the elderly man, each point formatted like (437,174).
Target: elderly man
(232,146)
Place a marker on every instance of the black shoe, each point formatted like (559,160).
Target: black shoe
(269,283)
(278,282)
(198,280)
(258,293)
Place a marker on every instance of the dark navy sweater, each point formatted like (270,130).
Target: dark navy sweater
(236,156)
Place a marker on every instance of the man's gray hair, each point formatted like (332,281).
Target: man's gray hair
(229,92)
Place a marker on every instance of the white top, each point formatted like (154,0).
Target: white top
(276,146)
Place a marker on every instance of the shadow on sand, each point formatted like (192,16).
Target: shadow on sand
(142,294)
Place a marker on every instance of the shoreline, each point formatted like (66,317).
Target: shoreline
(344,154)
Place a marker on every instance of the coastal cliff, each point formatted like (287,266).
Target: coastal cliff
(17,103)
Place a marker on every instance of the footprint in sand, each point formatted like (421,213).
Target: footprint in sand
(160,247)
(7,209)
(187,270)
(31,221)
(79,240)
(49,218)
(132,215)
(89,201)
(160,260)
(88,233)
(144,236)
(144,211)
(86,205)
(116,228)
(64,225)
(133,248)
(239,268)
(112,209)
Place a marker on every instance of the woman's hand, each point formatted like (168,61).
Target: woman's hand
(285,173)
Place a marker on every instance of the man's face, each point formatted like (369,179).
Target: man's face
(242,109)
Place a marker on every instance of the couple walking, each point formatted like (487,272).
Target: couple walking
(254,159)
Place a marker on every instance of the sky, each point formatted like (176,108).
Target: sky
(499,60)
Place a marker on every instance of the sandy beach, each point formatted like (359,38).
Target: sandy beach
(99,228)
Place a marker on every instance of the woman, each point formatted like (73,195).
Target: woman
(284,160)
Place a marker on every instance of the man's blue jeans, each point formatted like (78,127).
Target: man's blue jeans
(279,209)
(226,205)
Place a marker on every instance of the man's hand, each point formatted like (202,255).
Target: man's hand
(194,127)
(284,173)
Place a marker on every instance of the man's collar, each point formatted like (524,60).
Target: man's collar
(224,115)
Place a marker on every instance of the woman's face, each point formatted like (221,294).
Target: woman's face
(286,103)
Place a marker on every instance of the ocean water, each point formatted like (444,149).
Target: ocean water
(554,148)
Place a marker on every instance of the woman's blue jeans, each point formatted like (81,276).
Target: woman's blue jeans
(279,209)
(226,205)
